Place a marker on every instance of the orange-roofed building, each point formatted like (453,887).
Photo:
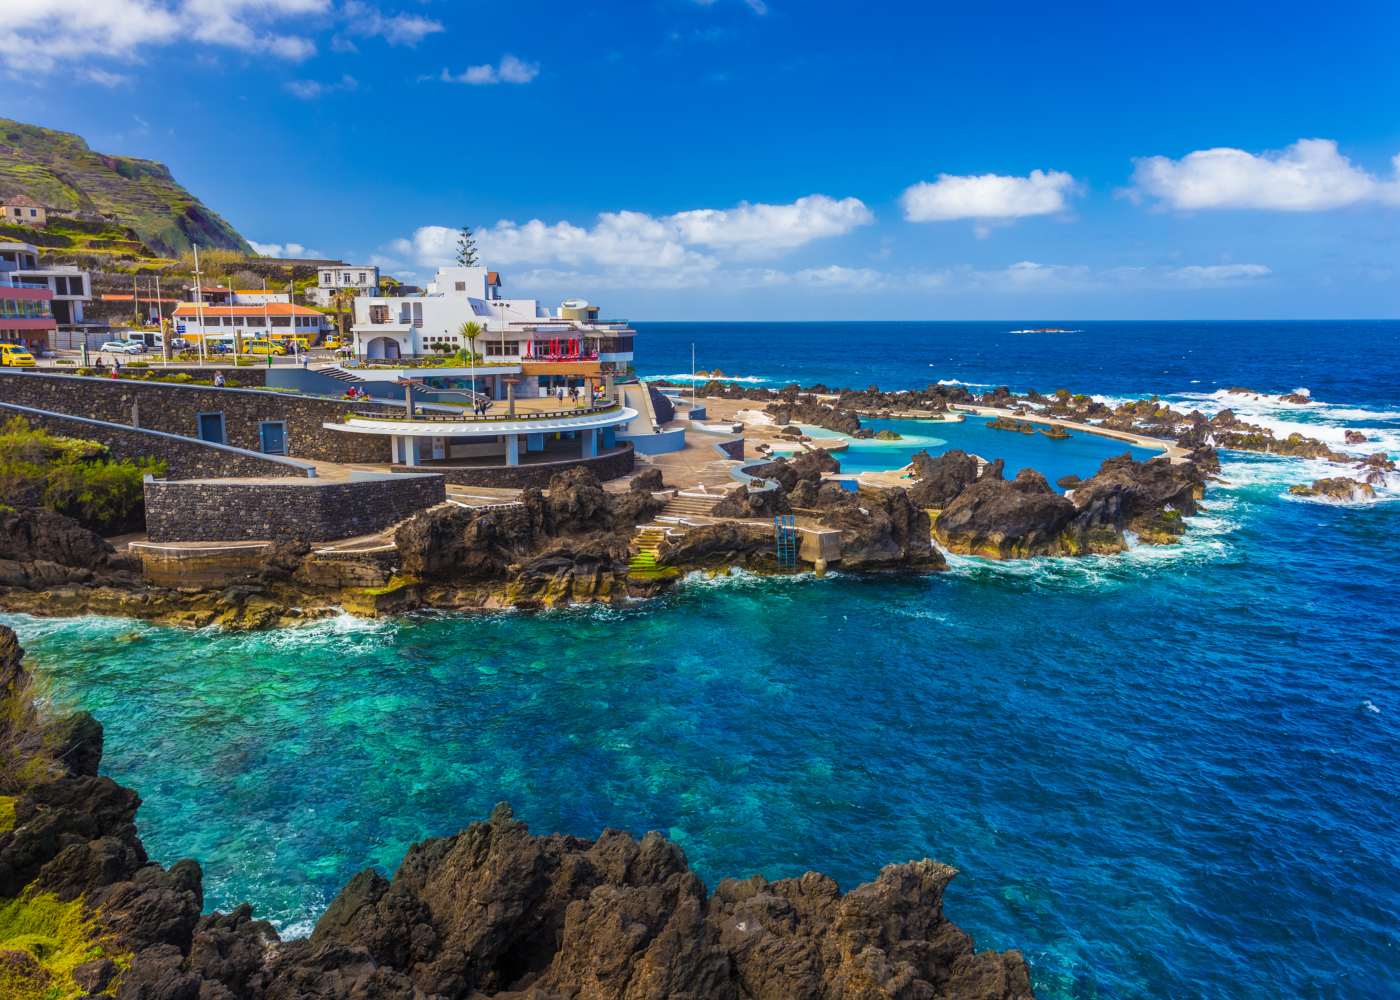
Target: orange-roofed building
(275,320)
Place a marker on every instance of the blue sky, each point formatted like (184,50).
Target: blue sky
(773,159)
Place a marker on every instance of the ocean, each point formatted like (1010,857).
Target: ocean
(1174,772)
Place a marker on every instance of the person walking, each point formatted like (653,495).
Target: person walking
(218,380)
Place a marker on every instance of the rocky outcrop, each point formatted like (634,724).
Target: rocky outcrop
(881,530)
(1026,517)
(40,549)
(807,410)
(491,912)
(941,479)
(1007,519)
(1338,488)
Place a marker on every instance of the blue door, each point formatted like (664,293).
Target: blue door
(273,435)
(211,427)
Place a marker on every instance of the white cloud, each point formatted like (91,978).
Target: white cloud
(309,90)
(105,78)
(1199,276)
(760,230)
(988,197)
(42,35)
(397,29)
(1309,176)
(683,243)
(508,70)
(283,250)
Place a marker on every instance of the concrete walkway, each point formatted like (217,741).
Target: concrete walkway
(1171,449)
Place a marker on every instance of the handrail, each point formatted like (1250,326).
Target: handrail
(465,418)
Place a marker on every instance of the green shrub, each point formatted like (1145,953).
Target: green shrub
(73,476)
(138,364)
(63,361)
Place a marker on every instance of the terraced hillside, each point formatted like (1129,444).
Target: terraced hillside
(59,170)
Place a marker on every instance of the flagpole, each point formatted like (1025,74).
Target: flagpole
(199,308)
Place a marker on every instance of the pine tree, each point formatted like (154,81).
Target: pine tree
(466,248)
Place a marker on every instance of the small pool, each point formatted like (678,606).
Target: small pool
(1081,455)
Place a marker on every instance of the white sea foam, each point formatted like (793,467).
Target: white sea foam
(735,577)
(687,377)
(1370,707)
(1206,540)
(970,385)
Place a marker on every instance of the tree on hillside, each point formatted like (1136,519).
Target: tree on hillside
(466,248)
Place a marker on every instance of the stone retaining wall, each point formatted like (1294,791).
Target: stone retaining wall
(174,409)
(185,458)
(610,465)
(229,510)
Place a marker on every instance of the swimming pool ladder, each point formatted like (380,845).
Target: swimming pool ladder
(785,539)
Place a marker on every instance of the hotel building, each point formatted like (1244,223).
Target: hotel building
(26,304)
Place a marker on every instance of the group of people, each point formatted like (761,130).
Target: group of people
(573,394)
(481,406)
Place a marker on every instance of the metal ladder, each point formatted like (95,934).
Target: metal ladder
(785,539)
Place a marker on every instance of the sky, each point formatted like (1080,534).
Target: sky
(772,159)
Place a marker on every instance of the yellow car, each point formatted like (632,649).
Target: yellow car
(15,356)
(332,344)
(262,347)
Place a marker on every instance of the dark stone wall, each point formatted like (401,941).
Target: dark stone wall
(174,409)
(305,510)
(609,465)
(185,458)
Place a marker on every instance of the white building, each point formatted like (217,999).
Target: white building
(513,331)
(71,288)
(362,279)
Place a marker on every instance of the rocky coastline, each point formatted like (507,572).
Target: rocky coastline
(572,542)
(493,911)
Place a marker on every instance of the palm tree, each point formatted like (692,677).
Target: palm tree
(469,331)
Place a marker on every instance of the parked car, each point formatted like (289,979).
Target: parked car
(218,347)
(15,356)
(262,347)
(123,347)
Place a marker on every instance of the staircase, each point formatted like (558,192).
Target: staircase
(646,544)
(339,374)
(684,506)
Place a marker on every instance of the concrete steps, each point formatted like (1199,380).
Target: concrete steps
(646,546)
(690,505)
(340,374)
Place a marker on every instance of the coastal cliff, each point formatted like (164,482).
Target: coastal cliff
(568,544)
(493,911)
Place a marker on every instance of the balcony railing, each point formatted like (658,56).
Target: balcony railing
(472,418)
(561,356)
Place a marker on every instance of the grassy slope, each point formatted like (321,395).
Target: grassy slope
(59,170)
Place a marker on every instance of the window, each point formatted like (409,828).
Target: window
(33,212)
(362,277)
(461,286)
(417,314)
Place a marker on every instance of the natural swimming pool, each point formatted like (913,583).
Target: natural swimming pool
(1079,455)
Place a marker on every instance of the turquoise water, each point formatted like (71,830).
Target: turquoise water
(1080,455)
(1172,773)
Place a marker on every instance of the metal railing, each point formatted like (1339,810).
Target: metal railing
(488,418)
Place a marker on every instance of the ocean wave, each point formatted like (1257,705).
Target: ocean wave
(969,385)
(735,577)
(686,377)
(1206,540)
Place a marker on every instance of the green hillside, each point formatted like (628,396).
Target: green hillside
(60,171)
